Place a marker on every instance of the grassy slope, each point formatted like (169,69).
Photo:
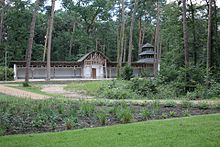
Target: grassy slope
(192,131)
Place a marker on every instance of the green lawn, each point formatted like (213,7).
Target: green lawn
(89,87)
(191,131)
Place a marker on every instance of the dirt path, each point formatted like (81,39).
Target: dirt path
(20,93)
(59,89)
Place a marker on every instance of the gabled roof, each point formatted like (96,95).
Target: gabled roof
(149,52)
(86,55)
(147,45)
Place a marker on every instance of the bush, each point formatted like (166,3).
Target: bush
(116,89)
(145,113)
(10,73)
(127,72)
(87,108)
(123,113)
(186,104)
(214,90)
(170,104)
(143,87)
(102,117)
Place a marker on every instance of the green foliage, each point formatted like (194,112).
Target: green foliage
(26,84)
(170,104)
(123,113)
(145,113)
(87,108)
(102,117)
(186,104)
(9,71)
(116,89)
(70,122)
(203,105)
(186,112)
(143,87)
(172,113)
(127,72)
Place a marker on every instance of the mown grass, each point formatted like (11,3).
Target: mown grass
(190,131)
(89,87)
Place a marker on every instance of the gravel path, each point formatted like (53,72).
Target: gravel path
(59,89)
(20,93)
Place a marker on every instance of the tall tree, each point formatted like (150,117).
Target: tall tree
(209,41)
(185,35)
(50,39)
(2,5)
(30,41)
(131,32)
(122,30)
(157,40)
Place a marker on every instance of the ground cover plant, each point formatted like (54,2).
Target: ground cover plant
(89,88)
(193,131)
(18,116)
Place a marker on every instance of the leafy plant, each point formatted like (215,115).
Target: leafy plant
(186,112)
(203,105)
(172,113)
(145,113)
(124,114)
(164,115)
(170,104)
(87,108)
(102,117)
(127,72)
(186,104)
(70,122)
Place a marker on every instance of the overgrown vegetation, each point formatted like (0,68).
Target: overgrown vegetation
(26,115)
(142,88)
(9,71)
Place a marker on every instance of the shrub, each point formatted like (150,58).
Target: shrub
(203,105)
(214,90)
(186,104)
(87,108)
(170,104)
(10,73)
(172,113)
(143,87)
(25,84)
(123,113)
(102,117)
(145,113)
(127,72)
(70,122)
(186,112)
(164,115)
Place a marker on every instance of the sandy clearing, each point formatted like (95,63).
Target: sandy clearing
(20,93)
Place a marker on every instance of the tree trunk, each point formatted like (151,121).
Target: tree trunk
(131,33)
(139,35)
(209,41)
(185,35)
(118,38)
(121,38)
(71,39)
(30,41)
(46,38)
(157,40)
(50,40)
(125,49)
(2,20)
(194,33)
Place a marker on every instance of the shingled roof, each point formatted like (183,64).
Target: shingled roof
(86,55)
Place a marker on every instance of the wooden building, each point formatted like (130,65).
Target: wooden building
(92,65)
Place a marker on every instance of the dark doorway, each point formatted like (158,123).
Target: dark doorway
(94,73)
